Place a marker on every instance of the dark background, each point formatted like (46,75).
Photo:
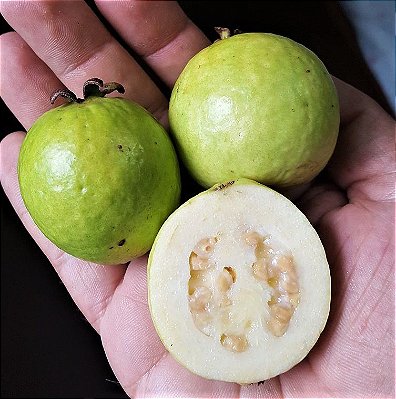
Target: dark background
(48,350)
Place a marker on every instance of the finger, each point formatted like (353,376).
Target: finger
(159,31)
(27,81)
(72,41)
(91,286)
(363,163)
(321,199)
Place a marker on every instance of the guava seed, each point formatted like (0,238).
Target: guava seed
(225,280)
(200,298)
(198,262)
(234,343)
(205,247)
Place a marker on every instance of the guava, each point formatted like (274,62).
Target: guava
(99,175)
(238,283)
(254,105)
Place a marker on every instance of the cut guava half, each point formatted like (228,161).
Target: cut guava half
(238,283)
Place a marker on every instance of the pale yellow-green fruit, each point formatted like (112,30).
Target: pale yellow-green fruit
(238,283)
(255,105)
(99,178)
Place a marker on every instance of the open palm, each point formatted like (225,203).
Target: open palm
(351,205)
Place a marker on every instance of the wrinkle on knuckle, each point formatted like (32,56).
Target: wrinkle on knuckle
(167,42)
(97,311)
(140,387)
(86,60)
(156,34)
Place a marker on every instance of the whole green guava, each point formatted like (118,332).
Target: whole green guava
(99,176)
(254,105)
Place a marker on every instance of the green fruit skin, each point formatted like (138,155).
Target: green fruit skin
(255,105)
(99,178)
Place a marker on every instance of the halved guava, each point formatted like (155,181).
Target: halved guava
(254,105)
(239,284)
(99,176)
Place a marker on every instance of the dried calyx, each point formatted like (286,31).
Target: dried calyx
(225,33)
(92,87)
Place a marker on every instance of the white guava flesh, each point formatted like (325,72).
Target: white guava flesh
(239,284)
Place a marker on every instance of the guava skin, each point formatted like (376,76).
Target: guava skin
(99,178)
(255,105)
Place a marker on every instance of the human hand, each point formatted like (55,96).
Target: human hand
(351,206)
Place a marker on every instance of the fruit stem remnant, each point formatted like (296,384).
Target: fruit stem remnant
(92,87)
(225,33)
(96,87)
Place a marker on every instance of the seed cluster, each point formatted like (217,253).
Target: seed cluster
(279,272)
(209,301)
(209,289)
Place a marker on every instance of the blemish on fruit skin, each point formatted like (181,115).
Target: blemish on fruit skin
(121,242)
(119,146)
(111,247)
(307,71)
(222,186)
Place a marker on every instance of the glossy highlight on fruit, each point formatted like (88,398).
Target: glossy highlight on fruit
(239,284)
(254,105)
(99,176)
